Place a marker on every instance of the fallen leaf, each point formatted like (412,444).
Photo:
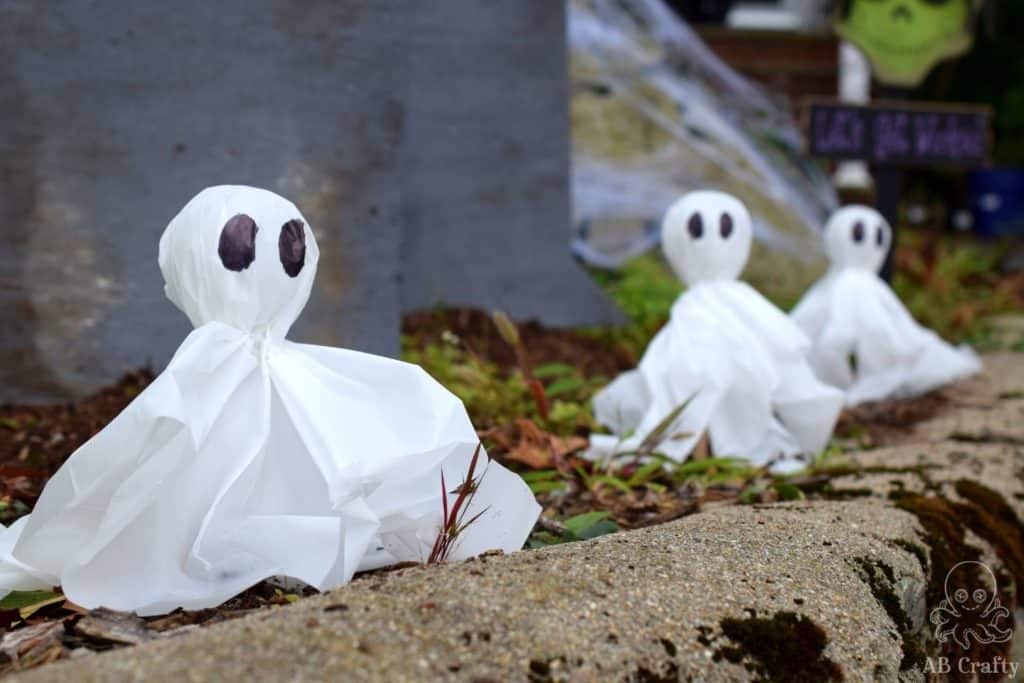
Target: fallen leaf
(29,610)
(114,627)
(526,443)
(72,607)
(46,647)
(20,641)
(8,617)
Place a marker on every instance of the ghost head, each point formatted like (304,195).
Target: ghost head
(706,236)
(241,256)
(857,237)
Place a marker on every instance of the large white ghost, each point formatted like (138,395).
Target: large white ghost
(251,456)
(739,360)
(865,341)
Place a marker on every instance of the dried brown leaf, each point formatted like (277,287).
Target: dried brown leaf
(108,626)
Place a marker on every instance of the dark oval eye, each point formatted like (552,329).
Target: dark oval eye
(292,246)
(858,232)
(237,247)
(695,226)
(725,226)
(880,236)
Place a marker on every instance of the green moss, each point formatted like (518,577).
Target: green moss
(852,470)
(831,493)
(988,514)
(668,674)
(880,579)
(967,437)
(918,551)
(820,485)
(786,647)
(944,535)
(945,522)
(540,670)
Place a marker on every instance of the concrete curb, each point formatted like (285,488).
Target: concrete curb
(642,605)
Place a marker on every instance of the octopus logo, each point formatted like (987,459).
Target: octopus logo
(971,610)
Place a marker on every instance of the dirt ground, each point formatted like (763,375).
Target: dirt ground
(477,331)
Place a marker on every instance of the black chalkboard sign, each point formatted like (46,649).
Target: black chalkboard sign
(899,133)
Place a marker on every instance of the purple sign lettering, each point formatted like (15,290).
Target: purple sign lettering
(911,135)
(890,135)
(839,131)
(944,136)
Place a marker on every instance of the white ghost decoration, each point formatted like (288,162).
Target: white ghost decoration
(865,341)
(251,456)
(739,360)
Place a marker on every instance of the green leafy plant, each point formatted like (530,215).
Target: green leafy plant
(544,481)
(954,285)
(490,397)
(21,599)
(577,528)
(493,397)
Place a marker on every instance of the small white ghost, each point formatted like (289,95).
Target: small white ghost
(251,456)
(865,341)
(739,360)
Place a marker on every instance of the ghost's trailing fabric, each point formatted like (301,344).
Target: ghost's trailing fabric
(864,340)
(251,456)
(738,361)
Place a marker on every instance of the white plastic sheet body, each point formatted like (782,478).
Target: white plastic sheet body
(739,360)
(251,456)
(864,340)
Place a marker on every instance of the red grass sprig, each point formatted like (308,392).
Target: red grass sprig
(453,522)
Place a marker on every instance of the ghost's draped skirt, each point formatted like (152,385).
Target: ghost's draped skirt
(742,364)
(247,459)
(866,342)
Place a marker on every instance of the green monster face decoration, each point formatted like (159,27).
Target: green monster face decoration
(904,39)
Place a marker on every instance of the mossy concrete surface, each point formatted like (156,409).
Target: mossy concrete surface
(646,605)
(716,596)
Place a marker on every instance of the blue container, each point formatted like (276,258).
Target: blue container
(997,200)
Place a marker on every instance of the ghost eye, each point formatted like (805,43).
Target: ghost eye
(695,226)
(980,595)
(858,232)
(237,246)
(725,226)
(291,246)
(960,595)
(880,236)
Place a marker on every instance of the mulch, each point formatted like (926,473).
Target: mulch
(60,629)
(886,423)
(476,329)
(36,439)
